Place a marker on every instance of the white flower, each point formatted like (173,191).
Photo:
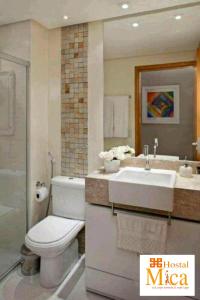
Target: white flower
(122,148)
(128,149)
(120,153)
(123,152)
(107,155)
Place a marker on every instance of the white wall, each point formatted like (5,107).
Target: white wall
(15,39)
(38,113)
(45,110)
(95,94)
(54,118)
(119,78)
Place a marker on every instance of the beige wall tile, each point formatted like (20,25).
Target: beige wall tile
(74,84)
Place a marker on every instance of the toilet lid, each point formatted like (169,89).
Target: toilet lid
(52,229)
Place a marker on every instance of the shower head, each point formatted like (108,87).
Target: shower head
(52,158)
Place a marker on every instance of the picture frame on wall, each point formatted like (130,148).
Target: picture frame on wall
(161,104)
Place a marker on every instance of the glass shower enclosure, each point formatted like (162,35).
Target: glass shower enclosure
(13,159)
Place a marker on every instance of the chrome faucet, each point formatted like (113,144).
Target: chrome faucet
(155,147)
(146,155)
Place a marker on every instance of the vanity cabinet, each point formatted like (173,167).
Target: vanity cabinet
(115,272)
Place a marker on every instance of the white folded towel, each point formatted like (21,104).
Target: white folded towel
(116,116)
(108,117)
(121,108)
(143,235)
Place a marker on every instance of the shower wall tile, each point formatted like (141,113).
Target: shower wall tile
(74,110)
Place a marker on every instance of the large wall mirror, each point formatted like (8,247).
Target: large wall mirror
(151,70)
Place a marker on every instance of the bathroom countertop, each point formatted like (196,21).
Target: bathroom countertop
(181,182)
(186,195)
(188,183)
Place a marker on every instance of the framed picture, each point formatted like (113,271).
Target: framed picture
(160,104)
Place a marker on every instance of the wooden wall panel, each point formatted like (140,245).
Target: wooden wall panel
(198,98)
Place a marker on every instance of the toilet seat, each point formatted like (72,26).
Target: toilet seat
(50,236)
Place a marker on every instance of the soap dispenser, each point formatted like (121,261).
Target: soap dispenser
(185,170)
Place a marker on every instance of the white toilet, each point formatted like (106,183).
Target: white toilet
(54,238)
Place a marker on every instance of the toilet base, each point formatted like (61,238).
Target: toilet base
(54,269)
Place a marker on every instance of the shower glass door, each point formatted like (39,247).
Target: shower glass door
(13,183)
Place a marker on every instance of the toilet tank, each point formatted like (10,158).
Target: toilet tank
(68,197)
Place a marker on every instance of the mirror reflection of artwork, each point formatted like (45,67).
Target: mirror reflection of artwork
(7,102)
(160,104)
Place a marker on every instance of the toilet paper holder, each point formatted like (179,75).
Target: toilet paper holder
(40,184)
(41,192)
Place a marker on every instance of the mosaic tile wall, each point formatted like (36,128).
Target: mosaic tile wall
(74,128)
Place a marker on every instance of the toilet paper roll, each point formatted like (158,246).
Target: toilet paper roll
(41,194)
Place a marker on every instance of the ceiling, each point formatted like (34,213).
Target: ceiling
(157,33)
(50,12)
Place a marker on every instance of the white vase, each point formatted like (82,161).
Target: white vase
(111,166)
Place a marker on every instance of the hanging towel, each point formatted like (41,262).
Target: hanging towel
(121,109)
(143,235)
(108,117)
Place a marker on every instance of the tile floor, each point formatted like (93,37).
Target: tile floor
(18,287)
(79,292)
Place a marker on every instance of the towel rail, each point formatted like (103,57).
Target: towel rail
(113,210)
(169,216)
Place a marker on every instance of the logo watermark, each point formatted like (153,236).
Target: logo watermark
(167,275)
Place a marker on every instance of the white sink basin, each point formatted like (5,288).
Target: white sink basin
(152,189)
(160,157)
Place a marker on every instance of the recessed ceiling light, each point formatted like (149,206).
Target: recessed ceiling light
(65,17)
(124,5)
(178,17)
(135,24)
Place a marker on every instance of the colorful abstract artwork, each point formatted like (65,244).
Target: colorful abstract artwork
(160,104)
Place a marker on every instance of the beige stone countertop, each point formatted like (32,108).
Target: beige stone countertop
(181,182)
(186,195)
(192,183)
